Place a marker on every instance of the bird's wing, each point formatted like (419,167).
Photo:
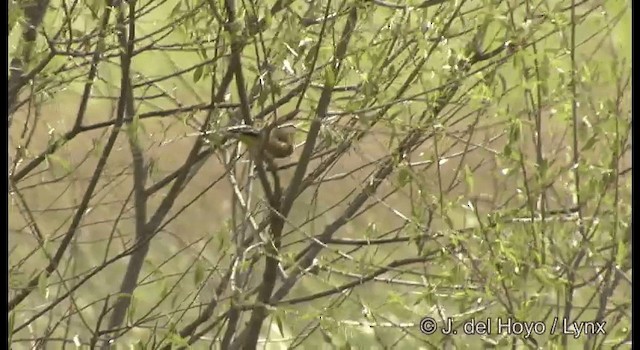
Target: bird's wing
(243,129)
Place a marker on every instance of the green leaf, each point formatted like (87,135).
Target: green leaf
(266,18)
(264,95)
(622,255)
(164,291)
(395,298)
(77,33)
(371,230)
(507,150)
(175,9)
(590,142)
(468,178)
(279,324)
(132,308)
(621,333)
(197,74)
(329,77)
(544,75)
(15,14)
(174,298)
(42,284)
(58,162)
(325,336)
(12,322)
(310,57)
(198,275)
(176,339)
(134,130)
(203,53)
(95,7)
(138,345)
(448,220)
(515,130)
(543,276)
(404,176)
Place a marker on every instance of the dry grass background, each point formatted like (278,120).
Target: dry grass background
(54,191)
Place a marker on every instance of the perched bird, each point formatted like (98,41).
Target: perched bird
(276,144)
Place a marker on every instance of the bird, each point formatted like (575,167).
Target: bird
(277,143)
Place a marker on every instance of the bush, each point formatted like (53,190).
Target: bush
(455,162)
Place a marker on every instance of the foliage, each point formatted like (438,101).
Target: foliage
(466,160)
